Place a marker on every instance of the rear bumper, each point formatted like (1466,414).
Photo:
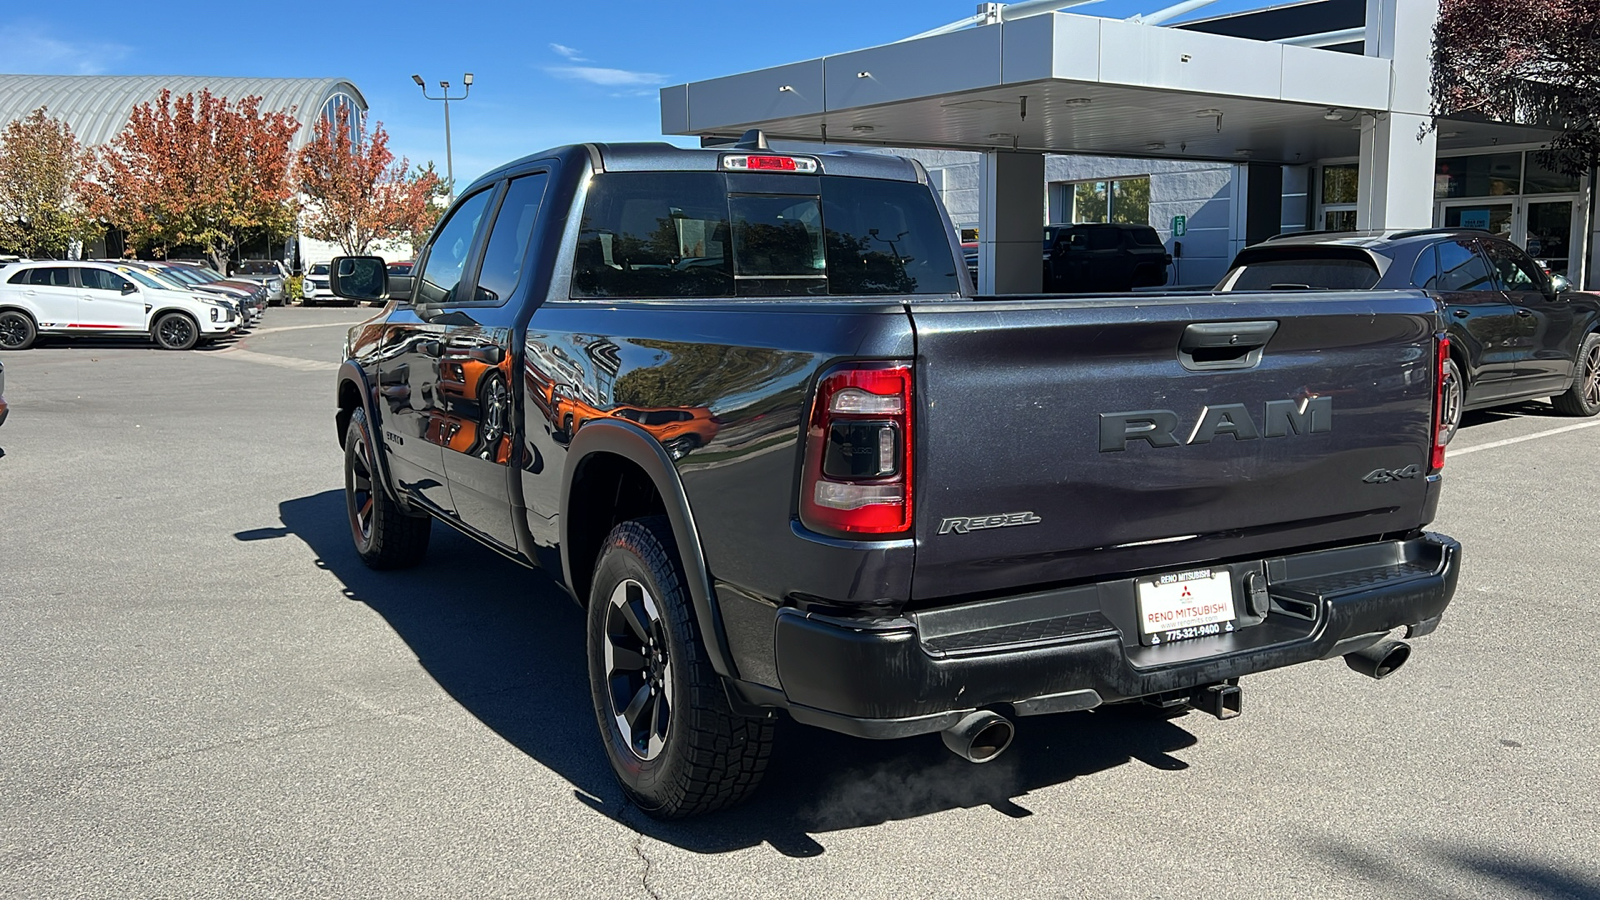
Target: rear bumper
(1076,648)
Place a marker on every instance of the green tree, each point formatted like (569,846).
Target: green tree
(42,208)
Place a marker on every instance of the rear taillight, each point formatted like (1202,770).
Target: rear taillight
(858,451)
(1441,428)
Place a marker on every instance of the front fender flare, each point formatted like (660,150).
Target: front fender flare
(352,373)
(632,443)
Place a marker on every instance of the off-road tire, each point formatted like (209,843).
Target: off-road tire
(385,534)
(1583,398)
(710,757)
(17,331)
(175,331)
(1455,399)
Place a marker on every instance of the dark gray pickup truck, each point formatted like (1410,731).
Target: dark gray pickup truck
(745,407)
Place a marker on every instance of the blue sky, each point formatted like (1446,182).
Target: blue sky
(546,73)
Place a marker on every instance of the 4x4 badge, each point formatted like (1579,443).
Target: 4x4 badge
(1384,476)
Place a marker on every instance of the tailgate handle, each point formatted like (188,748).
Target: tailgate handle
(1209,346)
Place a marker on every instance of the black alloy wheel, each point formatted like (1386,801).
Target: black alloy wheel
(676,746)
(176,331)
(386,535)
(1583,398)
(17,331)
(639,682)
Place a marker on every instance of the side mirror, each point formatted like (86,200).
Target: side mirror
(128,288)
(359,278)
(1561,283)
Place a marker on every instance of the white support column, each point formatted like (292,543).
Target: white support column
(1397,157)
(1396,180)
(1010,223)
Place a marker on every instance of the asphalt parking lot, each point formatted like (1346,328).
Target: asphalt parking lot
(204,693)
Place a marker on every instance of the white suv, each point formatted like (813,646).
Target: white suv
(314,287)
(67,297)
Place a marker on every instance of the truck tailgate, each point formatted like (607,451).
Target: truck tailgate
(1062,439)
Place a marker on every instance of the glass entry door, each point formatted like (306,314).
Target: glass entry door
(1545,226)
(1497,218)
(1548,233)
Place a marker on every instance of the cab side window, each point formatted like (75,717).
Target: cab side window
(1461,268)
(101,280)
(1515,271)
(447,255)
(503,257)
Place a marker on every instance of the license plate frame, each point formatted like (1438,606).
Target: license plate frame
(1185,606)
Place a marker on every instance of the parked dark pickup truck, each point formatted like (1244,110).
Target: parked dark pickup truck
(743,405)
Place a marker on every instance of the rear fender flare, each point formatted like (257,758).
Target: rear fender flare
(632,443)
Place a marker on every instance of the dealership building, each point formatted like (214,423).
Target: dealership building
(97,108)
(1219,132)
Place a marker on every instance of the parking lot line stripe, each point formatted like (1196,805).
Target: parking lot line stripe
(1527,437)
(260,331)
(282,362)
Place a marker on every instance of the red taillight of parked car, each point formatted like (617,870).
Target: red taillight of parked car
(859,450)
(1441,428)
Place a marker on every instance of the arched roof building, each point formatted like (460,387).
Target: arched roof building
(97,106)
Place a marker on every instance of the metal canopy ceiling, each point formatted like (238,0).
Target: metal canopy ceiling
(1092,86)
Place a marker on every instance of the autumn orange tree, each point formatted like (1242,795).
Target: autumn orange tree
(42,208)
(198,170)
(357,193)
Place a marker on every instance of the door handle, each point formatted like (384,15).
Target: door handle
(1224,345)
(1461,313)
(1524,313)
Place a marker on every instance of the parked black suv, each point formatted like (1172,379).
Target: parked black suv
(1102,258)
(1516,333)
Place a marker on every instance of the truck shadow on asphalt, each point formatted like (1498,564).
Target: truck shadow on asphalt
(507,644)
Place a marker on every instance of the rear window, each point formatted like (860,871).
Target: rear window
(1304,269)
(257,267)
(704,234)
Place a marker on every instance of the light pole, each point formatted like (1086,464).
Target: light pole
(449,164)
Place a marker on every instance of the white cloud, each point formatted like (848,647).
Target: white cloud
(31,51)
(607,77)
(571,53)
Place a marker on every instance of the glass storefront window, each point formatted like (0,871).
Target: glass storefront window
(1130,201)
(1340,184)
(1487,175)
(1089,201)
(1540,180)
(1125,201)
(1339,220)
